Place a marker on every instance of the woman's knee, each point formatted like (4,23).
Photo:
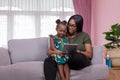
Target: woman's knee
(77,57)
(50,67)
(49,61)
(78,61)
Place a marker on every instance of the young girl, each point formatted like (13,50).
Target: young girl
(56,43)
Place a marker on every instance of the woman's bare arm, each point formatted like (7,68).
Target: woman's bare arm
(88,52)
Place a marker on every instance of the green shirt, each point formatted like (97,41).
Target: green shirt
(81,39)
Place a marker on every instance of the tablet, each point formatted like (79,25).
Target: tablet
(69,48)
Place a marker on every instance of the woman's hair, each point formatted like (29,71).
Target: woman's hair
(58,22)
(78,22)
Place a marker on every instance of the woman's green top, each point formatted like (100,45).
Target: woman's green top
(81,39)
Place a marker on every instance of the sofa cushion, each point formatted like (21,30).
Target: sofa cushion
(22,50)
(93,72)
(22,71)
(4,57)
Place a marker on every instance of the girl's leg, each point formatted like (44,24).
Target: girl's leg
(67,72)
(61,72)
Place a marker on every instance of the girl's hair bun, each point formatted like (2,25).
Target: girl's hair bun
(58,21)
(64,22)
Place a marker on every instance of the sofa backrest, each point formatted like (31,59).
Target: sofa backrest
(35,49)
(22,50)
(98,56)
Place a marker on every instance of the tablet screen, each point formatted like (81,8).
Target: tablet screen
(69,48)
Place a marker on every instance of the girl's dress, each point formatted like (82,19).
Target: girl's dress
(59,43)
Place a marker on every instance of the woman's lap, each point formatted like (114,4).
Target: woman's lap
(50,69)
(78,61)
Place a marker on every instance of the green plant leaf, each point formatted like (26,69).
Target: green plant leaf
(114,36)
(108,33)
(108,45)
(111,38)
(116,29)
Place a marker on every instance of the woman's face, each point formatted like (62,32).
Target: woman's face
(72,27)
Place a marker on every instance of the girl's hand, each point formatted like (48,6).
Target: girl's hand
(64,53)
(58,52)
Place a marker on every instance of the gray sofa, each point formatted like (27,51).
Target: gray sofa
(23,60)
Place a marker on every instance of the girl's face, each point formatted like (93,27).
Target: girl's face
(72,27)
(61,30)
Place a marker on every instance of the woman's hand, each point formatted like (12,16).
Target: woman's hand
(64,53)
(78,51)
(88,52)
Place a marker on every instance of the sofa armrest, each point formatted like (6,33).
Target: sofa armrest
(97,55)
(4,57)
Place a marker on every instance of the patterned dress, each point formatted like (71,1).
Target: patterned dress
(59,42)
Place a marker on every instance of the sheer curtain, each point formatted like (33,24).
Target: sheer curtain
(83,7)
(20,19)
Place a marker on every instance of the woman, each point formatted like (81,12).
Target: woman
(81,57)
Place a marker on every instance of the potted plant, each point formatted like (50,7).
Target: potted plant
(113,46)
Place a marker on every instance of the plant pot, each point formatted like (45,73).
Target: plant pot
(115,62)
(114,56)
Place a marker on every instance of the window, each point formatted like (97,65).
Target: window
(3,30)
(23,26)
(21,19)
